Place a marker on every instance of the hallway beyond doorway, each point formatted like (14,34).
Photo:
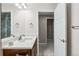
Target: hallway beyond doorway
(46,49)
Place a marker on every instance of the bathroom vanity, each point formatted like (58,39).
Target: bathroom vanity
(25,47)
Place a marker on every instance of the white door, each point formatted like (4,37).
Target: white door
(60,30)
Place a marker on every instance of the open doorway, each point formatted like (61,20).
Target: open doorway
(46,37)
(50,27)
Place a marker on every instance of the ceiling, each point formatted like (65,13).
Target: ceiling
(39,6)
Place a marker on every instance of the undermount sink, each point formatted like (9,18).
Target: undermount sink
(26,38)
(10,43)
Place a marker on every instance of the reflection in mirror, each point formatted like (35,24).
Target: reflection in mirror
(5,24)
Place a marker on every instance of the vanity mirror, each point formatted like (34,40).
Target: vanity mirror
(5,24)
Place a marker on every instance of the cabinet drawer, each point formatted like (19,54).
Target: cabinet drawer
(23,52)
(14,52)
(9,52)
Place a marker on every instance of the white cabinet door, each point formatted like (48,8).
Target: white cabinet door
(60,30)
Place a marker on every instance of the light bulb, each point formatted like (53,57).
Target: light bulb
(24,5)
(18,5)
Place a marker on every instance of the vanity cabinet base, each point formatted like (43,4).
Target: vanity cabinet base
(16,52)
(21,52)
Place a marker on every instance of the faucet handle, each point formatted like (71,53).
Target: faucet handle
(12,35)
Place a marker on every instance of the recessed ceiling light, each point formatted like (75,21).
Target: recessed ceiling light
(18,5)
(23,4)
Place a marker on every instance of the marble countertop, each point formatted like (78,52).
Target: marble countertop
(26,43)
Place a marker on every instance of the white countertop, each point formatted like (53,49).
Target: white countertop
(21,44)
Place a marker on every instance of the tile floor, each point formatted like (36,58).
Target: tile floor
(46,49)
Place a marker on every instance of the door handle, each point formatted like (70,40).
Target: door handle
(63,40)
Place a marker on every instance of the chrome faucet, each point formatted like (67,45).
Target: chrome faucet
(12,35)
(21,36)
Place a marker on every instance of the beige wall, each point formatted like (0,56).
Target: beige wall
(75,32)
